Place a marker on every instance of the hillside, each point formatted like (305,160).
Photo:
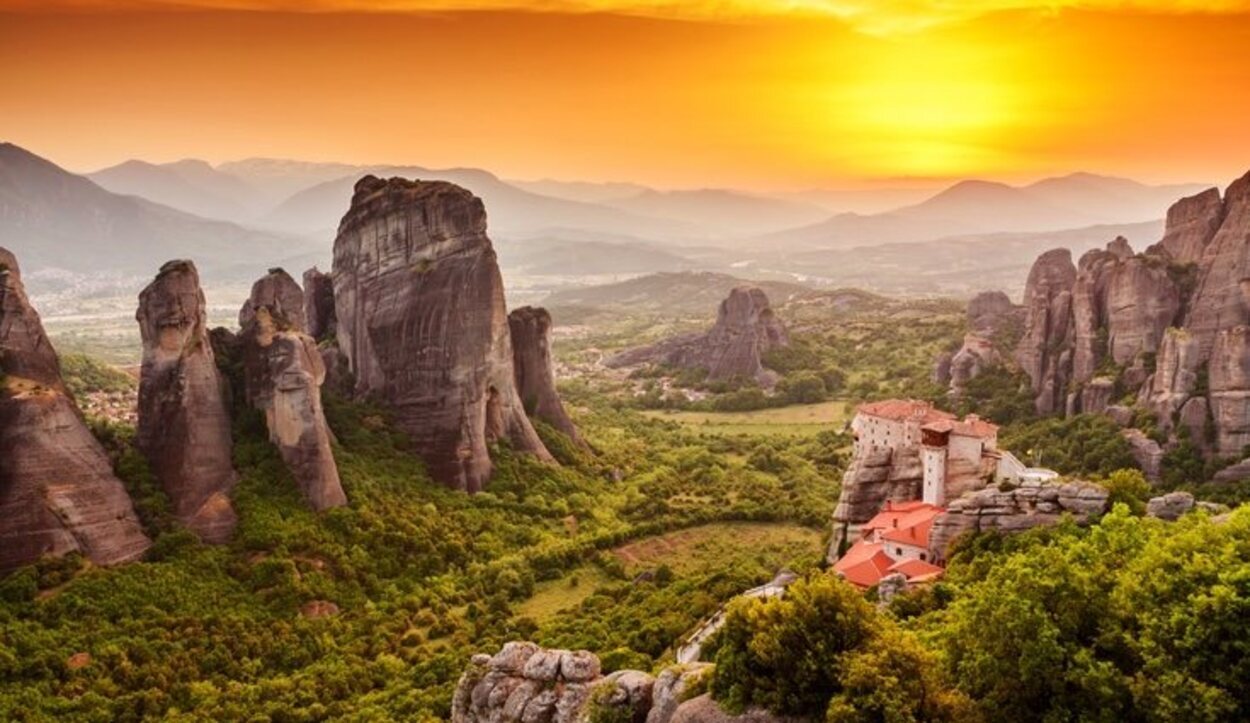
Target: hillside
(981,207)
(514,212)
(53,218)
(673,293)
(192,186)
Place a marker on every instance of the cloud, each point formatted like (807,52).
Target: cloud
(871,16)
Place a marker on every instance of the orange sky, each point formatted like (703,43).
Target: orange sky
(738,93)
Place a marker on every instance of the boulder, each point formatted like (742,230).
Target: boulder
(419,303)
(58,493)
(674,685)
(535,373)
(1146,452)
(184,426)
(283,373)
(746,328)
(1120,414)
(1170,506)
(1015,510)
(1045,350)
(703,709)
(320,321)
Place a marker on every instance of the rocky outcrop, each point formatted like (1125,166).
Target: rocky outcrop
(524,683)
(1230,390)
(320,321)
(1045,350)
(988,311)
(873,477)
(283,372)
(1122,303)
(1173,505)
(1033,504)
(58,493)
(1096,395)
(1176,372)
(1146,453)
(535,373)
(1219,301)
(1191,224)
(420,311)
(184,425)
(746,329)
(975,356)
(1171,324)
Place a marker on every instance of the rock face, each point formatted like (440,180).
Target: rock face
(1045,351)
(58,493)
(975,356)
(184,425)
(988,310)
(989,313)
(746,328)
(524,683)
(283,373)
(535,374)
(881,474)
(1170,324)
(1033,504)
(420,311)
(320,320)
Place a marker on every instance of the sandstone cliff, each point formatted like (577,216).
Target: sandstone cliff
(1045,352)
(58,493)
(872,478)
(535,373)
(320,321)
(990,313)
(1168,326)
(283,373)
(184,426)
(1033,504)
(524,683)
(421,319)
(746,328)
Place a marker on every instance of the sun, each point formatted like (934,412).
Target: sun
(930,105)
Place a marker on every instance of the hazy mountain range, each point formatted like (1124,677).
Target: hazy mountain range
(248,214)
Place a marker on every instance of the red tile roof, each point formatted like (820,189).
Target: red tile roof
(903,409)
(905,522)
(915,568)
(974,426)
(864,564)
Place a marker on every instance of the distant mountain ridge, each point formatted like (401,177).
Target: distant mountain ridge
(983,207)
(53,218)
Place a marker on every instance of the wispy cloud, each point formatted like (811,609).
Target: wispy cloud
(872,16)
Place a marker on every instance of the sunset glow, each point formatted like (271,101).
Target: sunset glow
(756,94)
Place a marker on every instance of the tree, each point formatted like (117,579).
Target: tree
(785,654)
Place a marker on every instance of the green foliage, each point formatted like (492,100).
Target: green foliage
(1086,444)
(998,394)
(1129,487)
(83,374)
(785,653)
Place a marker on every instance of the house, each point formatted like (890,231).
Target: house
(895,541)
(954,452)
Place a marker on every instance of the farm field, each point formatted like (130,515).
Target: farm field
(797,420)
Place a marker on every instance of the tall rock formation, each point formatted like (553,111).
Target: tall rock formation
(1220,300)
(283,373)
(184,426)
(535,374)
(320,321)
(422,321)
(990,313)
(58,493)
(1045,351)
(1170,324)
(746,329)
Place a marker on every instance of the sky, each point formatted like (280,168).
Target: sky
(759,94)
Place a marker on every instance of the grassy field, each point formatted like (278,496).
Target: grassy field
(694,551)
(797,420)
